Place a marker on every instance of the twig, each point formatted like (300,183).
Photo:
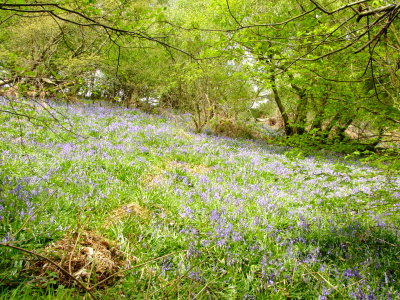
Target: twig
(72,252)
(53,263)
(176,281)
(320,275)
(230,12)
(338,9)
(134,267)
(380,33)
(55,10)
(207,286)
(386,8)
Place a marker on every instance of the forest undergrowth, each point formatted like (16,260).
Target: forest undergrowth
(116,203)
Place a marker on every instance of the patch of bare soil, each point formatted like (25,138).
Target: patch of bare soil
(87,256)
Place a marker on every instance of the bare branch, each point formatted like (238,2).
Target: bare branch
(356,39)
(319,7)
(230,12)
(382,31)
(241,27)
(332,79)
(51,9)
(65,272)
(386,8)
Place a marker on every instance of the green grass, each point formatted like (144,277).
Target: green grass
(217,218)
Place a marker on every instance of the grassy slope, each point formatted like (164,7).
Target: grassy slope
(240,219)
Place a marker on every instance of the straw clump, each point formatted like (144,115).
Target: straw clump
(86,256)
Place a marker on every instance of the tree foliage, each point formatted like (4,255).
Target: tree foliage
(328,66)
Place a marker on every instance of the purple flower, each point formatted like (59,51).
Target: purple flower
(303,224)
(349,273)
(187,212)
(195,275)
(6,238)
(325,294)
(221,242)
(166,265)
(215,215)
(264,260)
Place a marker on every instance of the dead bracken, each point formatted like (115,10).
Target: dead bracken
(86,255)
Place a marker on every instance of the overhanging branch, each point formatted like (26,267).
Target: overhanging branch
(319,6)
(57,11)
(378,10)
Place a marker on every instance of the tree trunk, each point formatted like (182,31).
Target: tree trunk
(282,111)
(299,121)
(341,128)
(300,115)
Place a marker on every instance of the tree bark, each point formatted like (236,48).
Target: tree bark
(286,126)
(299,120)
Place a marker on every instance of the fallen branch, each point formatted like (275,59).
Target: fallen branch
(136,266)
(55,264)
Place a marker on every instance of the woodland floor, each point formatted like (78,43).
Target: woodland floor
(135,206)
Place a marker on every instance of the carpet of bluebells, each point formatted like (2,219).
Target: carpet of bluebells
(223,218)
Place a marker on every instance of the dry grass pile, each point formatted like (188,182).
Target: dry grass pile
(85,255)
(158,176)
(130,209)
(154,180)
